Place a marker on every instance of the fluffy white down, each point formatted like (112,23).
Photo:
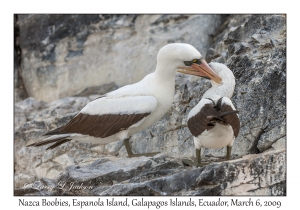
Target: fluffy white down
(219,136)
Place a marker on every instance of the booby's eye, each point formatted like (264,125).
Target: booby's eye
(189,63)
(198,61)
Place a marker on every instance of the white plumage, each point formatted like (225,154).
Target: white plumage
(213,121)
(121,105)
(121,113)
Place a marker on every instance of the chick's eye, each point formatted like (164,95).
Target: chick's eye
(195,61)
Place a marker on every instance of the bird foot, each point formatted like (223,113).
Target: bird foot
(194,163)
(144,154)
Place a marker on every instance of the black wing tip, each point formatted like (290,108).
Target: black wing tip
(31,145)
(53,132)
(58,143)
(228,113)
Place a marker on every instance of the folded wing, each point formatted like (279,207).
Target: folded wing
(107,116)
(206,114)
(102,118)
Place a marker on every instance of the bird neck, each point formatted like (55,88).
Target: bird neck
(225,89)
(165,73)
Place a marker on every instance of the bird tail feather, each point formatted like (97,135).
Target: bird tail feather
(53,132)
(56,139)
(221,115)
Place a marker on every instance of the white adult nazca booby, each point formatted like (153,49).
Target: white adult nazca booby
(121,113)
(214,122)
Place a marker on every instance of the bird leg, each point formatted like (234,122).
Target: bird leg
(130,153)
(228,152)
(197,162)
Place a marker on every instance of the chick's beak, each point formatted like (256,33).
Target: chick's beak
(201,70)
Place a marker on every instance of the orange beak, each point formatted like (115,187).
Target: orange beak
(202,70)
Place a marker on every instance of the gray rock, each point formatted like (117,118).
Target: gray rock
(251,175)
(20,117)
(29,104)
(64,54)
(278,145)
(98,90)
(271,136)
(20,92)
(260,93)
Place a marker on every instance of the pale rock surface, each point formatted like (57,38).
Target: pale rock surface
(60,53)
(262,174)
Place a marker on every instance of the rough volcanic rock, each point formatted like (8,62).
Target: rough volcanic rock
(251,175)
(63,54)
(98,90)
(19,88)
(256,52)
(254,48)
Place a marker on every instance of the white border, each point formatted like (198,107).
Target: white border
(141,7)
